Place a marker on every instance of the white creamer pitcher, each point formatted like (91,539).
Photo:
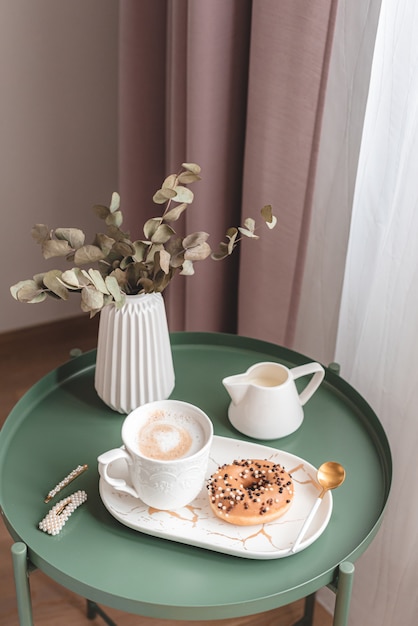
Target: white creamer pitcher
(265,401)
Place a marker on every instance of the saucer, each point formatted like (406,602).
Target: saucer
(196,524)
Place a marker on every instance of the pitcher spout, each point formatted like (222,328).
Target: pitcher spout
(237,387)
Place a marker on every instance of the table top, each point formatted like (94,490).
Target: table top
(61,423)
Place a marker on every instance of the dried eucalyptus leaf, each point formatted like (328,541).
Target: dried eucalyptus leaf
(162,234)
(38,298)
(115,202)
(273,222)
(195,239)
(177,260)
(34,299)
(133,273)
(141,249)
(173,214)
(188,269)
(24,290)
(247,233)
(151,226)
(121,278)
(104,242)
(88,254)
(124,248)
(175,249)
(147,284)
(174,245)
(39,280)
(116,233)
(162,195)
(219,256)
(52,248)
(74,236)
(52,282)
(223,252)
(198,253)
(164,260)
(41,232)
(249,224)
(154,267)
(183,194)
(192,167)
(188,177)
(118,303)
(170,182)
(153,249)
(125,262)
(101,211)
(231,234)
(161,281)
(113,287)
(71,278)
(91,299)
(268,217)
(114,219)
(267,213)
(97,280)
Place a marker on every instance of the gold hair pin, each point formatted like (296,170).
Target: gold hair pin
(54,521)
(66,481)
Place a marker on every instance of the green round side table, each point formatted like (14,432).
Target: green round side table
(61,423)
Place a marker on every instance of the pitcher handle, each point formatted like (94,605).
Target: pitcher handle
(318,375)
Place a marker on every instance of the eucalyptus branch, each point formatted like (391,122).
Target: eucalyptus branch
(124,267)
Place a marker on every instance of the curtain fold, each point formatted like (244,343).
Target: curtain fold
(210,81)
(236,86)
(142,93)
(290,52)
(341,132)
(378,332)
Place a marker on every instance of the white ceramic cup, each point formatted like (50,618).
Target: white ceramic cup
(166,448)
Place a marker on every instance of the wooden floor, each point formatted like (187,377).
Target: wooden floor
(25,356)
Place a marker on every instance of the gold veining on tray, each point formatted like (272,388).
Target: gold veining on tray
(310,480)
(193,509)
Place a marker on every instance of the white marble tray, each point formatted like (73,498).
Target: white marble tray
(196,525)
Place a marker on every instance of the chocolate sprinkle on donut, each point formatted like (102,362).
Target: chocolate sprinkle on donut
(248,492)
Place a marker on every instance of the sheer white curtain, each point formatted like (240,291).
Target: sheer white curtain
(377,342)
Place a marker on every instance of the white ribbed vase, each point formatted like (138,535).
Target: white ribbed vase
(134,363)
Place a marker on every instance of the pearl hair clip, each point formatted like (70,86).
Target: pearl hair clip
(55,520)
(66,481)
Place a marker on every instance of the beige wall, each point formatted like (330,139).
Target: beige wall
(58,138)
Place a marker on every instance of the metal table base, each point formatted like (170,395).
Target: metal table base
(22,569)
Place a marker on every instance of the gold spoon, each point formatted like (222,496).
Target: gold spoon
(330,475)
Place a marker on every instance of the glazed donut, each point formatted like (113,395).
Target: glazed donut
(250,491)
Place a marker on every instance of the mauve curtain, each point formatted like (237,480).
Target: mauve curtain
(236,86)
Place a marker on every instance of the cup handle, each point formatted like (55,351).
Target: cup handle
(303,370)
(104,461)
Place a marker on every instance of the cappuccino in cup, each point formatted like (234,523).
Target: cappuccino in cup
(166,449)
(168,435)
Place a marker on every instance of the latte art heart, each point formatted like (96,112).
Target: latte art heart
(164,442)
(169,436)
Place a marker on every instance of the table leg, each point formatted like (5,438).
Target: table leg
(21,575)
(94,609)
(307,618)
(344,588)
